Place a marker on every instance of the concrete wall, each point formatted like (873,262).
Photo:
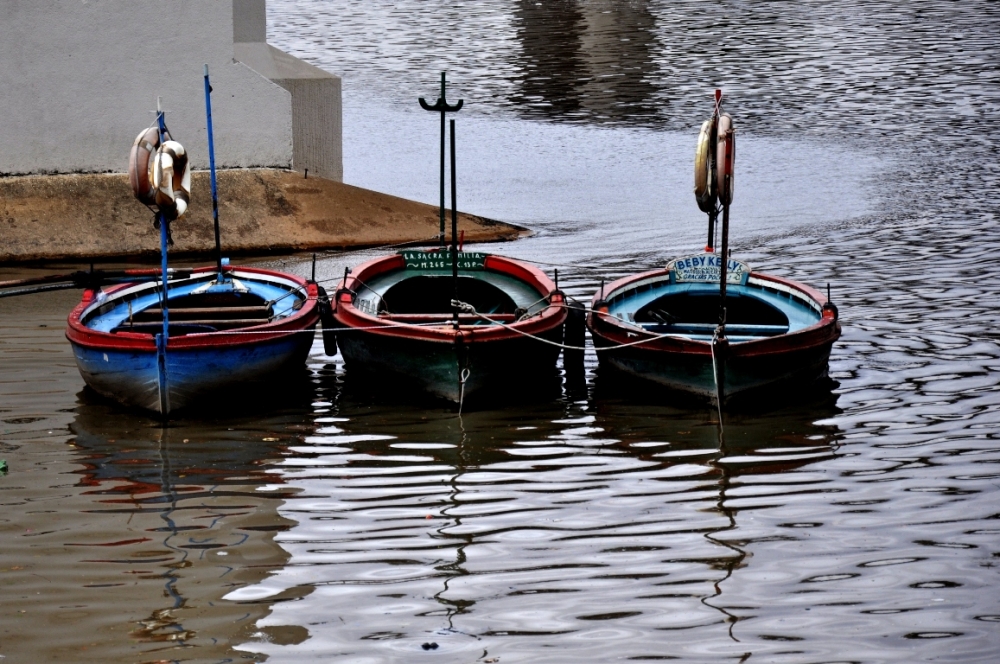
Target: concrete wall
(79,79)
(317,143)
(316,110)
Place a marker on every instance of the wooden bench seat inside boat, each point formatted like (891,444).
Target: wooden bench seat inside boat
(698,313)
(203,312)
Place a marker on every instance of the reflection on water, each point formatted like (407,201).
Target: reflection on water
(561,524)
(591,61)
(598,525)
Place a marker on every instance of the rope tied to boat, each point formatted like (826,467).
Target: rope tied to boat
(465,307)
(463,377)
(719,333)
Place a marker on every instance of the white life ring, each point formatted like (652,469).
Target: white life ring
(725,159)
(140,164)
(171,180)
(704,185)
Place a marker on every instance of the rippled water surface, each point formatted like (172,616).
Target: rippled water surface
(857,524)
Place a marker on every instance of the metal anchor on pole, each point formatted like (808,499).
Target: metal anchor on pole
(443,107)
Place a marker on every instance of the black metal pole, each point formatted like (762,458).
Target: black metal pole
(713,145)
(454,221)
(710,245)
(724,257)
(444,109)
(442,106)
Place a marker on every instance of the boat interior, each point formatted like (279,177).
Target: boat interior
(693,311)
(197,305)
(426,298)
(202,312)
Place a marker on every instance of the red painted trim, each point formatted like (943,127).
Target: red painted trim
(303,319)
(347,315)
(810,292)
(624,281)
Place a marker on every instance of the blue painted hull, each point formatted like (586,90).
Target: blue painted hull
(193,375)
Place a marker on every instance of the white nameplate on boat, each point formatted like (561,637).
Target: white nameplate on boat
(704,269)
(441,260)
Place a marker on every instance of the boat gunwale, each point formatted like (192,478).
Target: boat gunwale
(551,316)
(308,316)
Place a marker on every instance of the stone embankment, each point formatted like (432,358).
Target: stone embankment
(95,216)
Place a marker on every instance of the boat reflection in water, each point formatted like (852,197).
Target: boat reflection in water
(184,512)
(510,530)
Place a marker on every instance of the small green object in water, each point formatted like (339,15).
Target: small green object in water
(3,466)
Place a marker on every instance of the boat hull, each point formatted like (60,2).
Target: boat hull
(694,374)
(201,368)
(749,367)
(193,376)
(437,368)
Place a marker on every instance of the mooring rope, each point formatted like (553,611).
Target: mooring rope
(468,308)
(464,307)
(462,378)
(715,377)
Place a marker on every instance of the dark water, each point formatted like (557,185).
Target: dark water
(857,525)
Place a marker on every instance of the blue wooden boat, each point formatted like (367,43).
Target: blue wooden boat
(662,327)
(223,334)
(397,325)
(194,336)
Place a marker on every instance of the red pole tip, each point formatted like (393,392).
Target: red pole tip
(718,95)
(709,250)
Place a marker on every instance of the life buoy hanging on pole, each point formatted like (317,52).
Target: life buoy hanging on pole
(725,159)
(171,180)
(704,181)
(140,163)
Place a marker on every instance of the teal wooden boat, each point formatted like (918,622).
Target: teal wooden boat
(396,323)
(662,327)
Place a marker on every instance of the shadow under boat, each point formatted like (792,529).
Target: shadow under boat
(754,437)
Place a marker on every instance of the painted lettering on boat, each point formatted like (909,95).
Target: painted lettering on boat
(441,260)
(704,268)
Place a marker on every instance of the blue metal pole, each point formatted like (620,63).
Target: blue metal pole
(211,165)
(161,339)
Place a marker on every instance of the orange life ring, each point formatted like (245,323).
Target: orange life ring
(140,164)
(171,180)
(704,182)
(725,159)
